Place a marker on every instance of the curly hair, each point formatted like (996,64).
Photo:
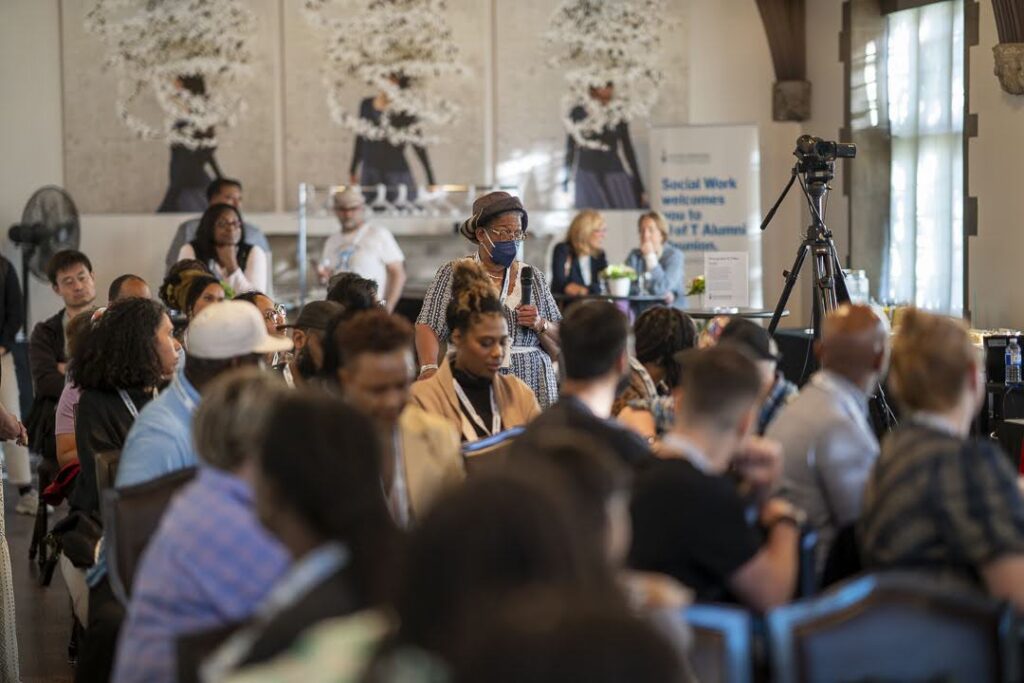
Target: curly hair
(205,248)
(661,332)
(171,291)
(473,295)
(119,351)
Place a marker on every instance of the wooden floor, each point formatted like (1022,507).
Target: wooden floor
(43,614)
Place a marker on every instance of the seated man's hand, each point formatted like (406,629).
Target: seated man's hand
(759,464)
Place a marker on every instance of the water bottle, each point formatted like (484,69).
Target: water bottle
(1013,363)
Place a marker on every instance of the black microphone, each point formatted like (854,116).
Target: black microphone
(527,279)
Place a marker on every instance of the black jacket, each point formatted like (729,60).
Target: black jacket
(45,351)
(11,315)
(565,268)
(102,424)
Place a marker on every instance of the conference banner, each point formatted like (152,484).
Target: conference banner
(706,180)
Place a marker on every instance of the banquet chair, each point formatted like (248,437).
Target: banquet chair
(722,650)
(893,626)
(489,453)
(130,517)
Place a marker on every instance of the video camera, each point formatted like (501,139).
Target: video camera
(817,155)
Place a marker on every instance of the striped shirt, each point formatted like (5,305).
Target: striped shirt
(936,501)
(210,564)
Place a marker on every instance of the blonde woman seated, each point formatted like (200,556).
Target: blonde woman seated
(468,389)
(577,262)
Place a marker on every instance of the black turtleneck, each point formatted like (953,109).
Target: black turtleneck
(478,391)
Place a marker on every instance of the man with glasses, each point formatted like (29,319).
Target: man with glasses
(363,248)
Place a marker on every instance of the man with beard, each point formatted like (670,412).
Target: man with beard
(308,337)
(595,359)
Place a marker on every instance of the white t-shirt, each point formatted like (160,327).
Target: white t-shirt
(253,277)
(366,251)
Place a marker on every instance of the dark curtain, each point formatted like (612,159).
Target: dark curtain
(784,22)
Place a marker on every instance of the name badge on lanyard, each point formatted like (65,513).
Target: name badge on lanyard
(475,416)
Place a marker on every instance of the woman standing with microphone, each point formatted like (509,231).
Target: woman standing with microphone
(497,227)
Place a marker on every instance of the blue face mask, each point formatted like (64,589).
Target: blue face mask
(503,253)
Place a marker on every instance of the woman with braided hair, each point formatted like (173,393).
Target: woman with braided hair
(661,332)
(468,390)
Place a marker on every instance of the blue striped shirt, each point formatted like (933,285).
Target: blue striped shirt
(210,564)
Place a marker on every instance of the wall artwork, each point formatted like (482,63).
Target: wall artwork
(160,96)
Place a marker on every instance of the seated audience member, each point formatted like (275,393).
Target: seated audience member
(273,313)
(420,452)
(353,291)
(776,390)
(210,562)
(172,289)
(308,337)
(827,442)
(468,390)
(576,263)
(128,286)
(595,359)
(326,508)
(689,519)
(273,317)
(70,275)
(127,354)
(522,535)
(546,635)
(221,243)
(937,500)
(596,486)
(646,405)
(67,449)
(220,191)
(190,291)
(223,336)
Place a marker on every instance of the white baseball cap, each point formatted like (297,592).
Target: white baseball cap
(231,328)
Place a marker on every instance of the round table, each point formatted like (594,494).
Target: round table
(633,298)
(752,313)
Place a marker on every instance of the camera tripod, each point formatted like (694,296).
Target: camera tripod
(829,283)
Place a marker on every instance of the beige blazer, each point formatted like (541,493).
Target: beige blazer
(516,401)
(432,455)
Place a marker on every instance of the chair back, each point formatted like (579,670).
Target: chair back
(722,649)
(106,468)
(893,626)
(490,453)
(130,517)
(807,571)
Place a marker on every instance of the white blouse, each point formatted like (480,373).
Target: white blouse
(253,277)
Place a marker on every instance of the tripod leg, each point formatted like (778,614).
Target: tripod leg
(791,278)
(842,293)
(824,286)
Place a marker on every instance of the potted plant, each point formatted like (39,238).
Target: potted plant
(696,289)
(619,279)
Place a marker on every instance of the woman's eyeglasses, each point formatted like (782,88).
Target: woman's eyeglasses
(276,313)
(228,224)
(507,235)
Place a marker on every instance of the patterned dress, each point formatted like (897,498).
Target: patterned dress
(8,630)
(528,360)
